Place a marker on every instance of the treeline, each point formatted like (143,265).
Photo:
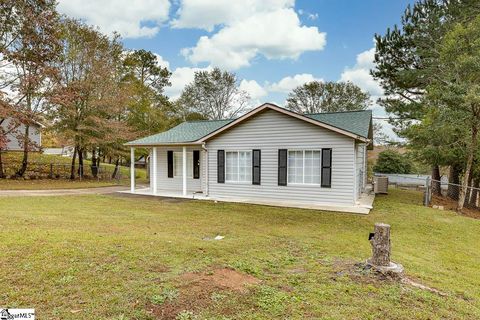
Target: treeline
(91,91)
(95,94)
(429,67)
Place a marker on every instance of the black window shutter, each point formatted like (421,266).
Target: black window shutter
(282,167)
(326,168)
(196,164)
(170,163)
(256,170)
(221,166)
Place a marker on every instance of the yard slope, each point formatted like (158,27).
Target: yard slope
(109,257)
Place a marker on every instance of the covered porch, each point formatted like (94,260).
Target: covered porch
(362,206)
(173,168)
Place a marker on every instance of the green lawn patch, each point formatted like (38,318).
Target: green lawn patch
(44,167)
(109,257)
(45,184)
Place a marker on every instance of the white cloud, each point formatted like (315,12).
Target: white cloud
(289,83)
(274,34)
(131,18)
(360,73)
(162,62)
(180,78)
(253,89)
(206,14)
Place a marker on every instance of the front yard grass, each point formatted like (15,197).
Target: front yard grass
(110,257)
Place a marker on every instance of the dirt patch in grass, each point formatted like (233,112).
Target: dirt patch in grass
(196,291)
(450,204)
(361,272)
(223,278)
(358,272)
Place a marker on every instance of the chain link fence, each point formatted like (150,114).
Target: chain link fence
(447,195)
(437,193)
(42,170)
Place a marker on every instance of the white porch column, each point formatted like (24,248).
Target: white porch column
(184,171)
(132,169)
(154,170)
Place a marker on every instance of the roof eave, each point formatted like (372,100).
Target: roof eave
(160,144)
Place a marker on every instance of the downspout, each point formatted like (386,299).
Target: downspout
(204,147)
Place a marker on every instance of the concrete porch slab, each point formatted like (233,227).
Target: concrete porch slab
(363,205)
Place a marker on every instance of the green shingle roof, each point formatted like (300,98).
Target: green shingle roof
(357,122)
(185,132)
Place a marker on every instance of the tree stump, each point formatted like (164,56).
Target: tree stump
(381,245)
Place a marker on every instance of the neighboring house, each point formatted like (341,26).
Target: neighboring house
(269,155)
(14,144)
(66,151)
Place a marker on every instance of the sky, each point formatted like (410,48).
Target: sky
(272,45)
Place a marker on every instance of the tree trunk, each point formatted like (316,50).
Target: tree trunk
(471,155)
(72,168)
(381,245)
(474,193)
(453,180)
(26,144)
(436,185)
(469,191)
(80,163)
(93,166)
(115,171)
(2,174)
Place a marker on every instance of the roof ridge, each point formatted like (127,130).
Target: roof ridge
(332,112)
(207,120)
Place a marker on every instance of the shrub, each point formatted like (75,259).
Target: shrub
(391,161)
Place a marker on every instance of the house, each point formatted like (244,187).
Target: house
(269,156)
(64,151)
(15,133)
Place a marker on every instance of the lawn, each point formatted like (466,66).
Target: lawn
(112,257)
(44,184)
(39,169)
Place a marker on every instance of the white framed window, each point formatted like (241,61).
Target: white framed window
(303,167)
(178,164)
(238,166)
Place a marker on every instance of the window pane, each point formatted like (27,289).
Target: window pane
(239,166)
(232,166)
(304,166)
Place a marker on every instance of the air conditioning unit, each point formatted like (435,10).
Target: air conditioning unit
(380,185)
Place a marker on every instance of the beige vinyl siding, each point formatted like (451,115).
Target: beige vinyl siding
(270,131)
(175,183)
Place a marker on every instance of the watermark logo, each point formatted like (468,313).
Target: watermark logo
(17,314)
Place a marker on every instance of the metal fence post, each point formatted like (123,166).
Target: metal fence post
(426,197)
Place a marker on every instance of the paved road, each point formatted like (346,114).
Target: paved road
(61,192)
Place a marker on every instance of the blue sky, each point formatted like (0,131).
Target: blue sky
(272,45)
